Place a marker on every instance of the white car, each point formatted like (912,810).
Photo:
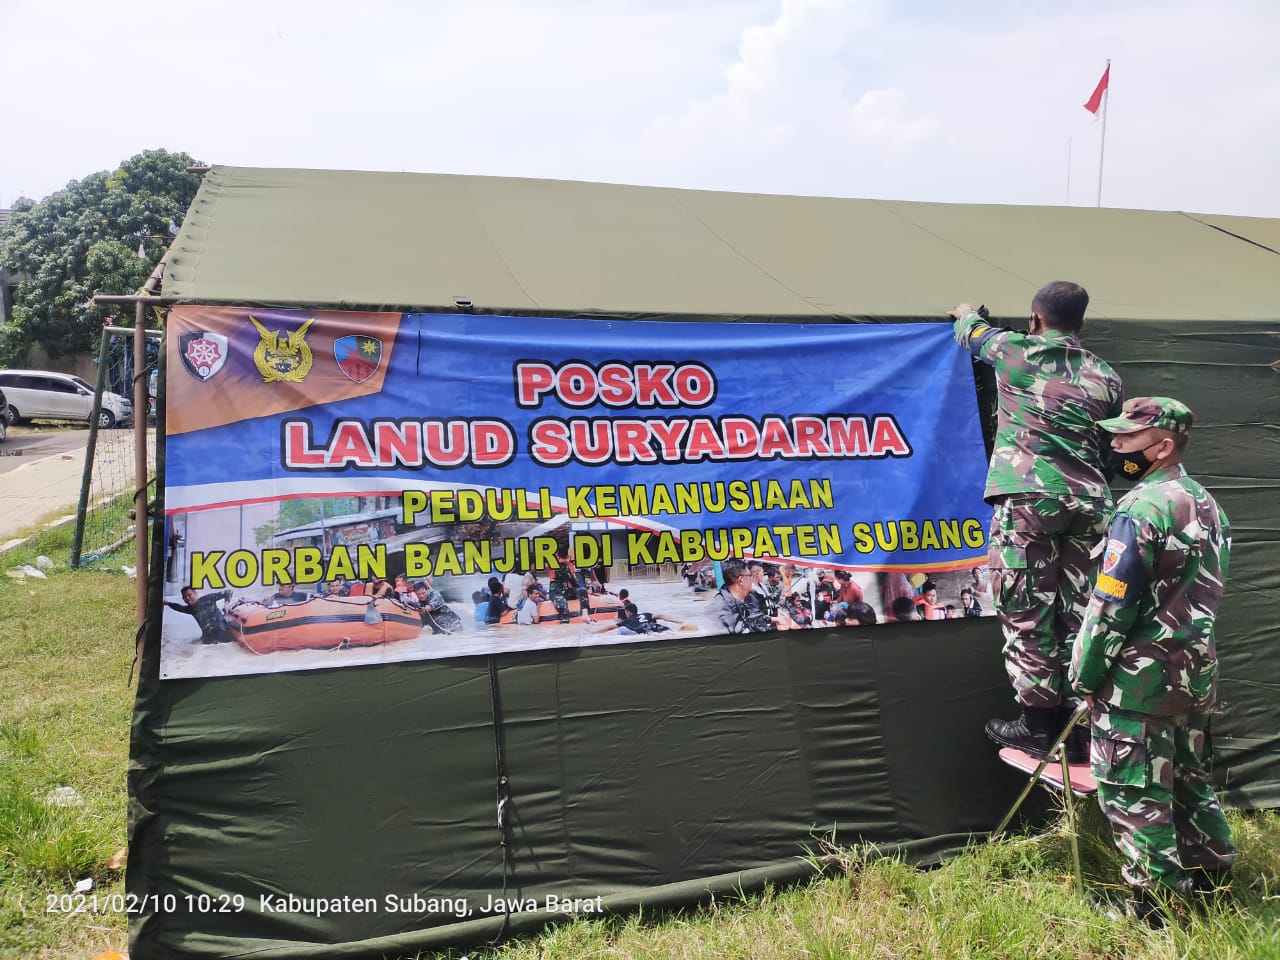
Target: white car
(45,395)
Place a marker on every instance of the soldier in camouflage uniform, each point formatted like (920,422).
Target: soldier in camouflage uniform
(213,623)
(564,587)
(1146,660)
(1048,485)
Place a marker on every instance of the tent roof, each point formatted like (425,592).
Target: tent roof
(418,241)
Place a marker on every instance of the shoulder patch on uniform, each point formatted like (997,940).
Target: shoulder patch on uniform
(1123,576)
(981,335)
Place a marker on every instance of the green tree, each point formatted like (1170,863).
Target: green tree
(85,240)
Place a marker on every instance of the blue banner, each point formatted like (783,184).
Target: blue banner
(570,466)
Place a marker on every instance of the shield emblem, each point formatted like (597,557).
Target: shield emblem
(358,356)
(1115,550)
(203,353)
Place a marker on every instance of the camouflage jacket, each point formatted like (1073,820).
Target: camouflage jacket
(1147,640)
(1052,392)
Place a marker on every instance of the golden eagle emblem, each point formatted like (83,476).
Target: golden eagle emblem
(282,357)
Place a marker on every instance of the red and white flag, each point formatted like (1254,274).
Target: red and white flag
(1095,101)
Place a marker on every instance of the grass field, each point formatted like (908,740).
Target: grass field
(1011,900)
(66,645)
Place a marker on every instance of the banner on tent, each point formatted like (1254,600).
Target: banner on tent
(348,488)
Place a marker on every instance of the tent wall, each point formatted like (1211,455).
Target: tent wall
(631,769)
(653,773)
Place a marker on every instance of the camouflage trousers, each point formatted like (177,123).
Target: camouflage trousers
(562,593)
(1155,787)
(1042,561)
(560,598)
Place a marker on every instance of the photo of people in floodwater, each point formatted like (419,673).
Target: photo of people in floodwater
(477,587)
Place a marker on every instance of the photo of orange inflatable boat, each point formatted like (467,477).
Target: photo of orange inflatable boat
(321,623)
(603,605)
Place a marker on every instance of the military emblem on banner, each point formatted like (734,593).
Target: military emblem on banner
(1115,550)
(282,356)
(358,356)
(203,353)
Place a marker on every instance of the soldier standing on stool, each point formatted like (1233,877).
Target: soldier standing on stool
(1048,484)
(1146,661)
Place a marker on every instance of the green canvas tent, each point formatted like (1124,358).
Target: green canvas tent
(651,774)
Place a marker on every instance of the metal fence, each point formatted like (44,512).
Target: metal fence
(105,517)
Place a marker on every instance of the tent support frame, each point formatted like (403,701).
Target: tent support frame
(140,302)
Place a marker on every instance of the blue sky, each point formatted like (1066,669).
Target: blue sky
(976,102)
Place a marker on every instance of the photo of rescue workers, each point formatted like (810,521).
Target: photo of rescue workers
(318,582)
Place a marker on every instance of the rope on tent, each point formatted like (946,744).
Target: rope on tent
(417,360)
(503,795)
(137,642)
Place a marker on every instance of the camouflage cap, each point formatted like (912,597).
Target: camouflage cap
(1144,413)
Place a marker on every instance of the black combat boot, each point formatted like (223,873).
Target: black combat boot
(1137,903)
(1210,888)
(1033,732)
(1077,743)
(1150,908)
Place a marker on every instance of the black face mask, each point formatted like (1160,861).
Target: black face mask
(1133,465)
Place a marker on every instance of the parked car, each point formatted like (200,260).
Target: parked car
(45,395)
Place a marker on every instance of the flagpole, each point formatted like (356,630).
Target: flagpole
(1102,147)
(1068,171)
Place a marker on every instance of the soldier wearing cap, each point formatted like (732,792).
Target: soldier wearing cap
(1145,659)
(1048,484)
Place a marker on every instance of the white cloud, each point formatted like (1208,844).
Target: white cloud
(925,100)
(879,117)
(985,105)
(794,98)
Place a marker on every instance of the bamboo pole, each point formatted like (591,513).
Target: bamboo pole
(140,512)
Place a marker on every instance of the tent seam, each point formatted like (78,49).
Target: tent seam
(895,800)
(742,256)
(501,256)
(571,866)
(951,243)
(1229,233)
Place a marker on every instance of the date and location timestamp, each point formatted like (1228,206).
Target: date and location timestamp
(413,903)
(132,903)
